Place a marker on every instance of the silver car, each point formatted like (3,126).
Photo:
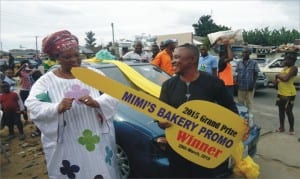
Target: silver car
(275,66)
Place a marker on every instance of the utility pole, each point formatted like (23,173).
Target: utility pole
(36,47)
(113,33)
(36,43)
(113,39)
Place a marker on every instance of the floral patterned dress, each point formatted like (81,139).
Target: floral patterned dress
(79,143)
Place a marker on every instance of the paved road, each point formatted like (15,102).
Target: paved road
(266,113)
(277,153)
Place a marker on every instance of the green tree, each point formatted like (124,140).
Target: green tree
(206,25)
(264,36)
(270,38)
(90,40)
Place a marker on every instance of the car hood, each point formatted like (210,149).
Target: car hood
(137,120)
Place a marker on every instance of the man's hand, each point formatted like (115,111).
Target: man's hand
(164,125)
(225,41)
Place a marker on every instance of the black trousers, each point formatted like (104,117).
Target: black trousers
(285,106)
(10,118)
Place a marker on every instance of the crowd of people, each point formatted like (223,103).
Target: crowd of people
(64,121)
(13,95)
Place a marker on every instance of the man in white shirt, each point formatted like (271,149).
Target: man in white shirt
(137,54)
(9,74)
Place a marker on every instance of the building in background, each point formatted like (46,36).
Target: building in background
(181,38)
(24,53)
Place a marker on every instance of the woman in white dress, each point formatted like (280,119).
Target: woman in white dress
(78,135)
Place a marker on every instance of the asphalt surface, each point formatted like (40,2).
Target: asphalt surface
(278,155)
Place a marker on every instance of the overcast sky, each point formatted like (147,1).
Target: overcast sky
(23,20)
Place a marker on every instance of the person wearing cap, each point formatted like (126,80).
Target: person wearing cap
(137,54)
(207,62)
(9,78)
(77,132)
(247,71)
(286,92)
(11,61)
(164,58)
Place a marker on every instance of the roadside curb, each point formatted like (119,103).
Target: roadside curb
(265,132)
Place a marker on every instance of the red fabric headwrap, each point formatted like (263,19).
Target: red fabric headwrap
(59,42)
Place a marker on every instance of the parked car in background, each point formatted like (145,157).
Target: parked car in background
(261,61)
(140,153)
(275,66)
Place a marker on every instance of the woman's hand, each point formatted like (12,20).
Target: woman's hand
(89,101)
(65,105)
(275,82)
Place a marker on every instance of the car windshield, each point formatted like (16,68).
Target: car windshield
(297,63)
(2,62)
(116,74)
(151,72)
(277,63)
(260,60)
(33,62)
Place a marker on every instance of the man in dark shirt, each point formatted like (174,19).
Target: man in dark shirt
(191,84)
(11,61)
(155,50)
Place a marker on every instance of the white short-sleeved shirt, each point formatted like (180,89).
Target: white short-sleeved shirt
(144,56)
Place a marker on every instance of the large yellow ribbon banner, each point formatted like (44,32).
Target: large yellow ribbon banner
(202,132)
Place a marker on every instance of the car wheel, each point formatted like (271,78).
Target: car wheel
(123,162)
